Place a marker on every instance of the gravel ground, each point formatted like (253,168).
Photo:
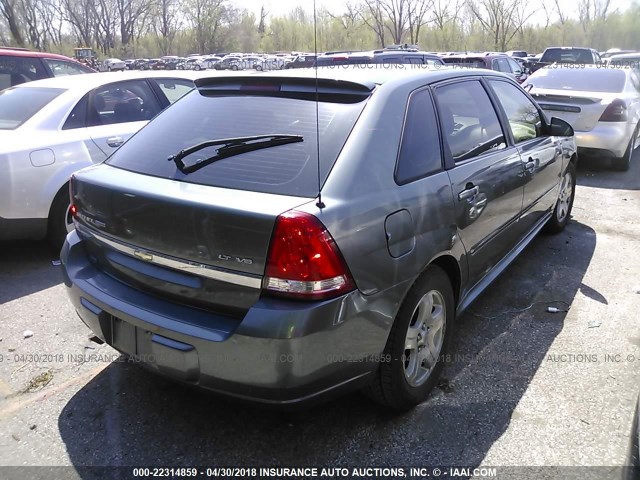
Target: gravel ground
(526,388)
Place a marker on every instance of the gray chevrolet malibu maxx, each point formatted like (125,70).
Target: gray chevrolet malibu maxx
(281,238)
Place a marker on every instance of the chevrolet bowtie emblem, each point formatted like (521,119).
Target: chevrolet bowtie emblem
(142,255)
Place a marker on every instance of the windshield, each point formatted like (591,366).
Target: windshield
(588,80)
(290,169)
(17,105)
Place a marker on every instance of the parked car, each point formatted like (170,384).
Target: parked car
(170,62)
(624,59)
(141,64)
(493,61)
(20,66)
(129,63)
(615,51)
(51,128)
(390,56)
(567,55)
(270,63)
(112,65)
(155,64)
(302,61)
(602,104)
(253,267)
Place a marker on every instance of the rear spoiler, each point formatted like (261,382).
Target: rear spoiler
(304,88)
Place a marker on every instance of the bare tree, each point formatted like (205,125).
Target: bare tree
(165,24)
(397,17)
(42,22)
(418,10)
(9,9)
(562,15)
(105,17)
(80,15)
(592,10)
(501,19)
(262,26)
(132,17)
(372,15)
(206,18)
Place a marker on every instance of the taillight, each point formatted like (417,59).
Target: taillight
(304,261)
(616,111)
(73,209)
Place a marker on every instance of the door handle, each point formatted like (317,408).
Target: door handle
(115,141)
(531,164)
(469,192)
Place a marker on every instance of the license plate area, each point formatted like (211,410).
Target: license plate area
(124,335)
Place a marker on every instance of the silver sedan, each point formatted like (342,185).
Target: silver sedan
(601,102)
(51,128)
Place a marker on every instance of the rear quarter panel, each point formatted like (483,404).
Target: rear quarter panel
(361,193)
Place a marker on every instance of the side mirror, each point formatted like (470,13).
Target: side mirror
(560,128)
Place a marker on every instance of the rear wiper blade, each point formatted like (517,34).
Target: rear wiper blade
(229,148)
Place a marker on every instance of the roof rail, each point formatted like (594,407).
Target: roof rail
(404,46)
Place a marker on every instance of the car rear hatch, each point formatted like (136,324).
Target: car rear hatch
(201,238)
(581,109)
(199,245)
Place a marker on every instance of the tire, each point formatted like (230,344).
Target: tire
(59,224)
(234,67)
(564,204)
(623,163)
(198,67)
(396,385)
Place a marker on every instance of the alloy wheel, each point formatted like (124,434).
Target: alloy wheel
(425,338)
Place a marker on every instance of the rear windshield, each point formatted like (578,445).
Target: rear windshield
(466,62)
(17,105)
(586,80)
(567,55)
(286,169)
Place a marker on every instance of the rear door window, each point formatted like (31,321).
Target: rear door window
(469,123)
(290,169)
(61,68)
(122,102)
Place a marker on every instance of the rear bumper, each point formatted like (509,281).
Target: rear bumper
(280,353)
(608,138)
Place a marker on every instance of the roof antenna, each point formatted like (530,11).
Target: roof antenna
(320,204)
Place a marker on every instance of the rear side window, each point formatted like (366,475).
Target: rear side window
(17,105)
(286,169)
(469,122)
(15,70)
(420,153)
(174,88)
